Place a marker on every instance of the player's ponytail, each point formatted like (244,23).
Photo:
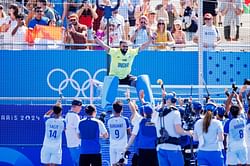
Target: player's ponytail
(206,121)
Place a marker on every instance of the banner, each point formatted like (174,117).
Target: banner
(44,32)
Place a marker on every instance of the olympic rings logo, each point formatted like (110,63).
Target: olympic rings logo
(91,81)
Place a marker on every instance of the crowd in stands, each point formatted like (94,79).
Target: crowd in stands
(134,20)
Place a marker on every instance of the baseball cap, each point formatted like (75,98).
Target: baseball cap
(147,109)
(210,107)
(208,15)
(197,105)
(152,11)
(73,16)
(77,102)
(178,22)
(220,110)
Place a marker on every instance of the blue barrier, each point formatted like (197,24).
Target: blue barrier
(40,73)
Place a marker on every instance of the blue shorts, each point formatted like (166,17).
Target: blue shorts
(170,157)
(210,158)
(75,155)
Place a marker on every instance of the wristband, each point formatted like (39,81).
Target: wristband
(95,36)
(128,100)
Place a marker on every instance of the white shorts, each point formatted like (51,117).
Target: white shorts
(51,155)
(237,156)
(115,154)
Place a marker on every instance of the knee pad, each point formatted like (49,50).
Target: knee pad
(143,83)
(109,90)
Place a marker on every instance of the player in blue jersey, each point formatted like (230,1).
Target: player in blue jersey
(51,152)
(209,132)
(236,136)
(72,121)
(90,130)
(119,130)
(146,133)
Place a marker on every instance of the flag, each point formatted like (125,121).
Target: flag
(44,32)
(247,2)
(246,9)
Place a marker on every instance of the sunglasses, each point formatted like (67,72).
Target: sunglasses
(143,22)
(39,11)
(161,23)
(72,20)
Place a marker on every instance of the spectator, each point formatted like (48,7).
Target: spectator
(164,37)
(51,152)
(69,7)
(132,13)
(19,33)
(119,130)
(231,10)
(152,22)
(161,13)
(211,7)
(9,25)
(57,5)
(48,12)
(209,132)
(190,22)
(76,33)
(172,12)
(86,16)
(90,129)
(2,21)
(39,19)
(114,37)
(178,35)
(118,20)
(124,8)
(30,6)
(72,121)
(141,10)
(210,34)
(142,33)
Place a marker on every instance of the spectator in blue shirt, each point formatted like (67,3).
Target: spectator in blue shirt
(38,19)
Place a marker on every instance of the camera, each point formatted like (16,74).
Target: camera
(234,87)
(189,118)
(102,117)
(246,82)
(143,27)
(164,136)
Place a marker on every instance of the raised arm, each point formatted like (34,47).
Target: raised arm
(117,5)
(101,43)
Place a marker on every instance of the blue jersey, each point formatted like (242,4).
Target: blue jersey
(235,128)
(147,134)
(90,130)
